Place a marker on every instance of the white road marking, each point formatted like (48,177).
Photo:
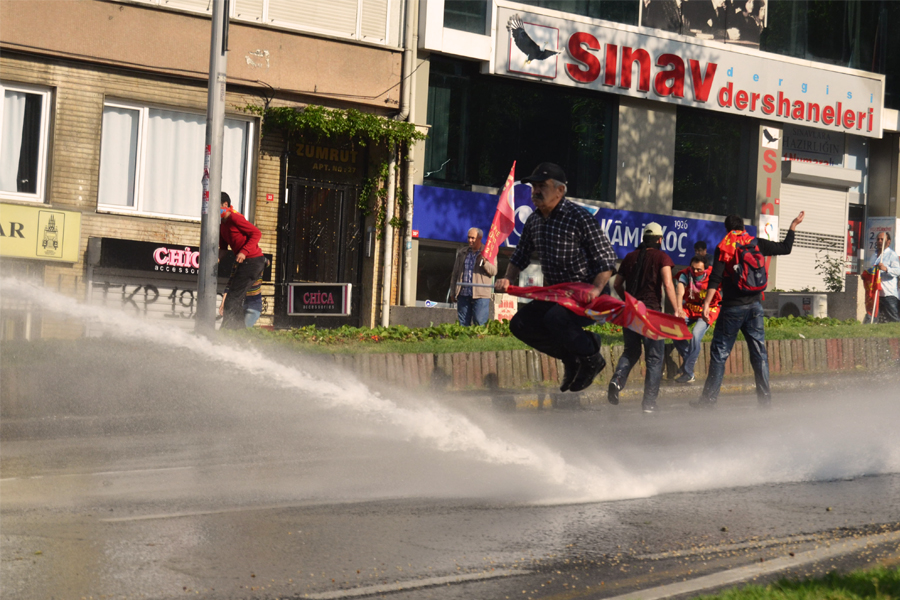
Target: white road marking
(413,584)
(732,576)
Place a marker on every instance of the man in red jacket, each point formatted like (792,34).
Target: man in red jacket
(243,237)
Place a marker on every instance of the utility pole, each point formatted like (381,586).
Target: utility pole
(212,170)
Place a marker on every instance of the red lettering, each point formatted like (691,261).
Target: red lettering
(612,57)
(837,115)
(591,69)
(769,159)
(810,107)
(798,111)
(768,208)
(828,115)
(700,86)
(849,118)
(768,104)
(753,99)
(784,106)
(861,116)
(161,255)
(642,58)
(725,95)
(740,100)
(870,119)
(675,75)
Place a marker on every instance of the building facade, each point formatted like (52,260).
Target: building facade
(104,112)
(679,112)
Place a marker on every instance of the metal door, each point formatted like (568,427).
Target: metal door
(321,242)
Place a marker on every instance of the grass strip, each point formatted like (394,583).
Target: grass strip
(879,583)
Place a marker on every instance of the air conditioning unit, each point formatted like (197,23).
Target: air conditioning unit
(803,305)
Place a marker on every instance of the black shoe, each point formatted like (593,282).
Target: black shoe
(649,407)
(612,392)
(590,368)
(571,370)
(703,403)
(685,378)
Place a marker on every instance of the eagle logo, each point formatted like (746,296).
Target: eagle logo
(523,41)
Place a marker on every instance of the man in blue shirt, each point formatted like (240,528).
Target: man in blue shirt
(888,263)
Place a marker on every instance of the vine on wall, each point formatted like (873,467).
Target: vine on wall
(365,129)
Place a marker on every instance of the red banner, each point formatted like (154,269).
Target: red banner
(504,220)
(631,313)
(872,284)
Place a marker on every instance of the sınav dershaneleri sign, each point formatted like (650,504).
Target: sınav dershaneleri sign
(585,53)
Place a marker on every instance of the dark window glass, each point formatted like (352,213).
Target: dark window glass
(618,11)
(436,267)
(851,33)
(466,15)
(480,124)
(711,163)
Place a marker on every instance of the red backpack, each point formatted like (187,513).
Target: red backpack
(751,275)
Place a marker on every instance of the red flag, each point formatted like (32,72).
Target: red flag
(872,284)
(605,309)
(504,219)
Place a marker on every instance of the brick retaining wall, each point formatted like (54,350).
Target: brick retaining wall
(517,369)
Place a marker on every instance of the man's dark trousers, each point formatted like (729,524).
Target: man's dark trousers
(631,354)
(747,318)
(554,330)
(889,309)
(247,272)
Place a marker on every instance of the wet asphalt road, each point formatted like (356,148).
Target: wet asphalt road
(123,477)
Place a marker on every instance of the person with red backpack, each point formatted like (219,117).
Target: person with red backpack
(740,272)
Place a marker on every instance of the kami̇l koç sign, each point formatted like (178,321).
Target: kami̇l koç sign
(325,299)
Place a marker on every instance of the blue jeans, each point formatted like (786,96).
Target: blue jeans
(654,350)
(251,316)
(469,309)
(749,320)
(690,349)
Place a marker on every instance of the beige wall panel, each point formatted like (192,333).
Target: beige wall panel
(645,169)
(177,43)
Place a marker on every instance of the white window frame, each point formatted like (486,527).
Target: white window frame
(47,102)
(140,168)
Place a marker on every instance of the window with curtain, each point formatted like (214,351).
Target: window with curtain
(23,141)
(151,161)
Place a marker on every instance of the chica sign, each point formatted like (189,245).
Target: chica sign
(325,299)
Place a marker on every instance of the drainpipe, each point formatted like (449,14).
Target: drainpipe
(408,57)
(388,240)
(412,35)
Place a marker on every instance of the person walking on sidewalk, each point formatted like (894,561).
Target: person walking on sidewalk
(572,248)
(741,309)
(643,274)
(473,303)
(690,293)
(243,237)
(888,263)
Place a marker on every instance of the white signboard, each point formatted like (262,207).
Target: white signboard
(586,53)
(768,228)
(876,225)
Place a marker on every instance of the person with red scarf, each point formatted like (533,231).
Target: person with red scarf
(740,311)
(690,293)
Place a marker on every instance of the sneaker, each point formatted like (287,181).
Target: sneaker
(590,368)
(649,408)
(685,378)
(571,370)
(612,393)
(703,403)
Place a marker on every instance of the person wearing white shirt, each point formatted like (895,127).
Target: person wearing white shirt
(889,264)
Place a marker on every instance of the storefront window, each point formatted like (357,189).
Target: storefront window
(480,124)
(436,267)
(850,33)
(466,15)
(618,11)
(711,163)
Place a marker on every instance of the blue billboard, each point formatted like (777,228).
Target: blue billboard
(447,214)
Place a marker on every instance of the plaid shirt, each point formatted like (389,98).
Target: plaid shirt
(571,245)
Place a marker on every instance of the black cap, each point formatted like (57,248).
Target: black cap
(545,171)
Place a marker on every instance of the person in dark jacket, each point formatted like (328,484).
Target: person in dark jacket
(740,311)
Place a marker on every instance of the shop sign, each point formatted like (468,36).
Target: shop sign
(876,225)
(816,146)
(323,299)
(39,232)
(178,261)
(586,54)
(328,159)
(447,214)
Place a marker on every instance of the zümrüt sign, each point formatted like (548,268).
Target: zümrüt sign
(584,53)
